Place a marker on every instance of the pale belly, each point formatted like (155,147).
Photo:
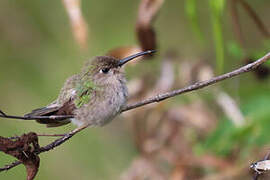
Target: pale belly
(99,113)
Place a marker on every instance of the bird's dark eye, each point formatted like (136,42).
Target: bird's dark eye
(105,70)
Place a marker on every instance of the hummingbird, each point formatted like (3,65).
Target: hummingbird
(94,96)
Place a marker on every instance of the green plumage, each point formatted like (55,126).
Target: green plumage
(84,90)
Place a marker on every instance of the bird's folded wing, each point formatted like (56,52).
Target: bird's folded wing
(66,109)
(43,111)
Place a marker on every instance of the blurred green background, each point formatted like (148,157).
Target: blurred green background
(38,52)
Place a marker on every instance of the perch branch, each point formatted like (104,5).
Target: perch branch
(157,98)
(199,85)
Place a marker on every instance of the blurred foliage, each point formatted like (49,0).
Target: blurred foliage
(227,138)
(192,14)
(38,52)
(217,10)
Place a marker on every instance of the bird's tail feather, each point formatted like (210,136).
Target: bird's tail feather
(48,111)
(43,111)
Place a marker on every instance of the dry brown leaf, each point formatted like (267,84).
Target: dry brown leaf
(23,148)
(147,12)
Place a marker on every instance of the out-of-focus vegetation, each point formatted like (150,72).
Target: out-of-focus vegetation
(38,52)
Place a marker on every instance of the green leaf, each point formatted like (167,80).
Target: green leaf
(227,138)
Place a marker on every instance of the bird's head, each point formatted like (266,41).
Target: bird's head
(103,70)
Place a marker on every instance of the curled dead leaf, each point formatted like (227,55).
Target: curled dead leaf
(23,148)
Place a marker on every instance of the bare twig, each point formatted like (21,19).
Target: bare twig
(157,98)
(51,135)
(199,85)
(12,165)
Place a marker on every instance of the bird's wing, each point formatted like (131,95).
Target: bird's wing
(62,106)
(73,95)
(66,109)
(43,111)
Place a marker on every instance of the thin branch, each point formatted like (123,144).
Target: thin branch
(12,165)
(51,135)
(199,85)
(157,98)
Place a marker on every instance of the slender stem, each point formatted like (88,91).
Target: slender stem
(51,135)
(12,165)
(199,85)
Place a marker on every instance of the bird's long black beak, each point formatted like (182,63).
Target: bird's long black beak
(129,58)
